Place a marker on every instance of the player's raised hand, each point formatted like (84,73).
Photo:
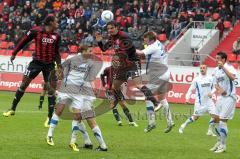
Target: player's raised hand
(98,37)
(12,58)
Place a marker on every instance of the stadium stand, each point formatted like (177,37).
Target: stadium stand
(166,17)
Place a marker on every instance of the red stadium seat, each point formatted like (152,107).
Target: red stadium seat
(73,48)
(231,57)
(4,45)
(26,53)
(215,16)
(10,44)
(8,52)
(227,24)
(235,65)
(97,50)
(118,19)
(64,55)
(162,37)
(2,37)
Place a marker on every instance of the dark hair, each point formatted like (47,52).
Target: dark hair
(223,55)
(49,19)
(150,35)
(113,23)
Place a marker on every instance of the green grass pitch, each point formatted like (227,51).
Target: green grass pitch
(23,135)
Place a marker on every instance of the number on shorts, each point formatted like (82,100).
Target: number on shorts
(27,72)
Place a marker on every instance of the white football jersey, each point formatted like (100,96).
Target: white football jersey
(202,85)
(221,79)
(155,52)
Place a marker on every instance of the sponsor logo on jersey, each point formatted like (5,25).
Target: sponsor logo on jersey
(47,40)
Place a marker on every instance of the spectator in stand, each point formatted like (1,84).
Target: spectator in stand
(18,31)
(9,33)
(26,22)
(70,20)
(223,11)
(236,46)
(176,28)
(41,4)
(49,6)
(199,16)
(79,36)
(210,24)
(3,26)
(220,27)
(88,40)
(57,5)
(5,9)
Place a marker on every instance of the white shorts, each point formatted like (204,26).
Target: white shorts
(208,106)
(160,83)
(77,101)
(225,107)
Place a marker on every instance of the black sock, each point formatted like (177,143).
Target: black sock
(128,114)
(41,100)
(16,99)
(116,114)
(51,104)
(149,96)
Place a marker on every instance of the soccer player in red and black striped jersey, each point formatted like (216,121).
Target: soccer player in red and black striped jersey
(128,60)
(106,79)
(44,58)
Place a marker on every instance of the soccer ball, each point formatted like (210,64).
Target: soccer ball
(107,16)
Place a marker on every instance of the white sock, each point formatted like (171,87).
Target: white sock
(84,133)
(217,130)
(150,112)
(211,125)
(53,124)
(167,112)
(223,130)
(97,133)
(75,128)
(188,121)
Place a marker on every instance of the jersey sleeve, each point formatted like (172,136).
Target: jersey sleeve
(94,70)
(30,35)
(190,90)
(148,50)
(105,46)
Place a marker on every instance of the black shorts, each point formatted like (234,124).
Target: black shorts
(35,67)
(131,71)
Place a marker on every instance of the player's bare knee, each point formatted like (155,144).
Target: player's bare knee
(91,122)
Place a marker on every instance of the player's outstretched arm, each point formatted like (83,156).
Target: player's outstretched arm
(24,41)
(103,47)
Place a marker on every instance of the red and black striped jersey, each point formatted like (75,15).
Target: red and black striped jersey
(121,43)
(46,45)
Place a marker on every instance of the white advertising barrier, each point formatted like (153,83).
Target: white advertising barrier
(179,74)
(181,77)
(201,36)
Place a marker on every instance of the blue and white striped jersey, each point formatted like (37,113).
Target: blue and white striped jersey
(202,85)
